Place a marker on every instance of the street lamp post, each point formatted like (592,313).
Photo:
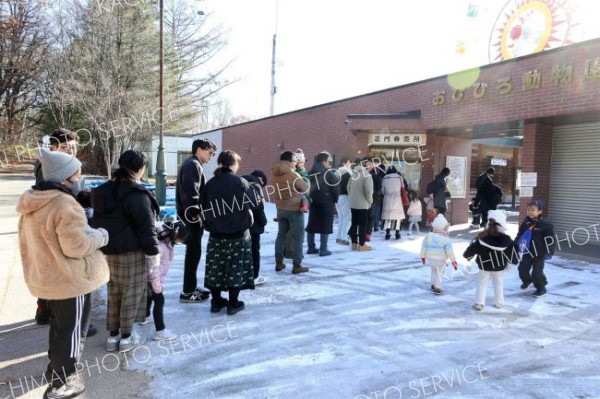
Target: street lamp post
(160,176)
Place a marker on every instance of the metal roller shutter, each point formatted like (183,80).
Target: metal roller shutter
(575,182)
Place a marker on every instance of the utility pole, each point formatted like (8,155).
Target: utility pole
(273,61)
(273,87)
(160,177)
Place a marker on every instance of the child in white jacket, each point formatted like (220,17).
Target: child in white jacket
(169,235)
(437,248)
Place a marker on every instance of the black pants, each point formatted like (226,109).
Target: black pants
(484,208)
(371,218)
(255,253)
(69,321)
(358,226)
(193,251)
(157,310)
(537,276)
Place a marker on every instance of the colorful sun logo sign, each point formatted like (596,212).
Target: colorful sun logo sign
(530,26)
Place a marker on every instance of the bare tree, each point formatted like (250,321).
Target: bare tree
(102,78)
(24,47)
(106,76)
(193,44)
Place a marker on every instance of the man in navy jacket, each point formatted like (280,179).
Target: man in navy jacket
(188,193)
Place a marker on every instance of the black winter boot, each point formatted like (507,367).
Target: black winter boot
(387,234)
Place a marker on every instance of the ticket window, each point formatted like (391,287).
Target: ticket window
(405,159)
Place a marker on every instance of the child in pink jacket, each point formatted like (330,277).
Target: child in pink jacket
(169,235)
(415,211)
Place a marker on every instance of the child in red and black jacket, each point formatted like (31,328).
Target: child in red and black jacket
(535,241)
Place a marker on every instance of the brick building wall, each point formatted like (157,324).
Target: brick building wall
(324,127)
(537,151)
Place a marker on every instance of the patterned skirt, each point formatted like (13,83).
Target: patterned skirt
(229,264)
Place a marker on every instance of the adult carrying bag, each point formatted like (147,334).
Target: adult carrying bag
(432,187)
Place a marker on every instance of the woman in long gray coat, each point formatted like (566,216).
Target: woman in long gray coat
(392,212)
(360,199)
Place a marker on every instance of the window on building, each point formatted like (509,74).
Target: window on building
(182,156)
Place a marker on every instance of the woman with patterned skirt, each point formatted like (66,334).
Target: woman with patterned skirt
(225,213)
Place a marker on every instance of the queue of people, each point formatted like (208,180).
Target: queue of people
(123,247)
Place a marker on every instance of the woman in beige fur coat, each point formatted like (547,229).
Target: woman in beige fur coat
(62,263)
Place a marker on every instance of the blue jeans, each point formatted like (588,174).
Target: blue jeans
(292,223)
(310,238)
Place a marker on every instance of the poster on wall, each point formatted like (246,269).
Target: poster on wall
(457,181)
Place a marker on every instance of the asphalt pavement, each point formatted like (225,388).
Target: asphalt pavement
(24,345)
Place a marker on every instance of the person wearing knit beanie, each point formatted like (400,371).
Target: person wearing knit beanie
(499,216)
(299,154)
(58,166)
(63,264)
(260,175)
(492,249)
(440,224)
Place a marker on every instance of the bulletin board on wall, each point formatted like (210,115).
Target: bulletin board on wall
(457,181)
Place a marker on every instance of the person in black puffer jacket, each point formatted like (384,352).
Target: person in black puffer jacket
(257,180)
(225,211)
(494,250)
(128,212)
(441,194)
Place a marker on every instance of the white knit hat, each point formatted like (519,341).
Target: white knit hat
(499,217)
(299,156)
(439,222)
(58,166)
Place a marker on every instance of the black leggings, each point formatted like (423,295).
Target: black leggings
(233,295)
(157,311)
(256,253)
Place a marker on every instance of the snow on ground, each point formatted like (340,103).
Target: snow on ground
(366,325)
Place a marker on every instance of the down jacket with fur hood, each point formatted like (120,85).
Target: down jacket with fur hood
(288,186)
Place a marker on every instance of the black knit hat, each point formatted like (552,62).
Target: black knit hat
(261,176)
(286,156)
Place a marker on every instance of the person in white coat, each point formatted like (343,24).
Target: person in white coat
(343,206)
(393,210)
(62,263)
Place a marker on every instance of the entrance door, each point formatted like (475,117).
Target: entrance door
(404,159)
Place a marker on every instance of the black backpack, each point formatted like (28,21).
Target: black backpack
(432,187)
